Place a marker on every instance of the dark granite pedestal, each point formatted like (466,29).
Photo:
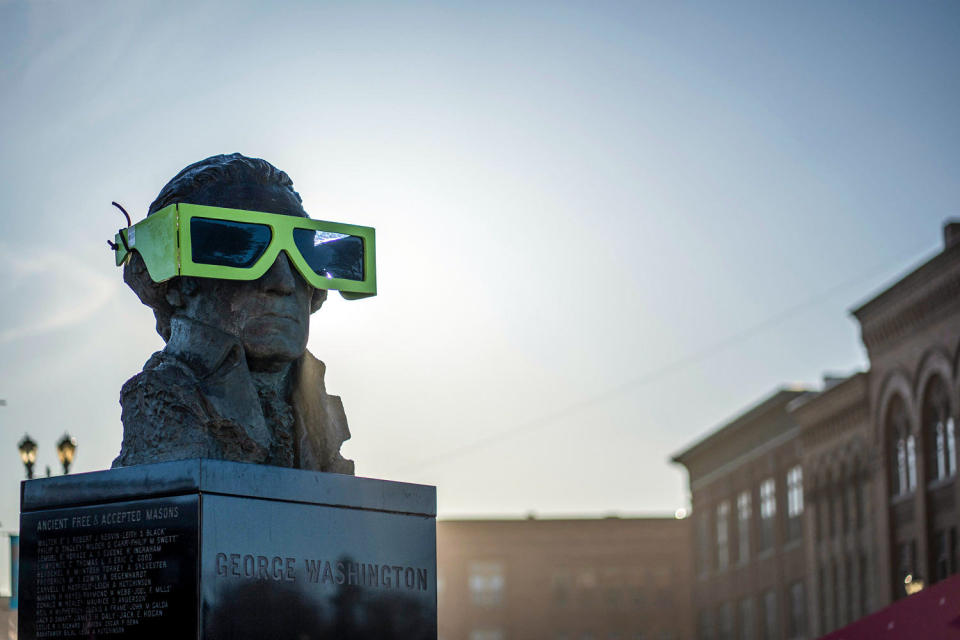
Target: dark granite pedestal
(219,550)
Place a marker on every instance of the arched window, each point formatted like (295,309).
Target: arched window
(939,432)
(902,449)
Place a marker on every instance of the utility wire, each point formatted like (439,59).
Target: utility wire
(556,415)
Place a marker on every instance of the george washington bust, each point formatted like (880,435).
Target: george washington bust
(235,380)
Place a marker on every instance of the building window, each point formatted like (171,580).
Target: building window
(744,513)
(905,568)
(723,535)
(794,502)
(903,462)
(836,510)
(951,447)
(768,512)
(849,507)
(587,587)
(726,621)
(824,523)
(561,587)
(797,627)
(613,587)
(859,497)
(837,592)
(864,587)
(911,463)
(953,549)
(944,554)
(823,594)
(795,491)
(846,613)
(706,627)
(486,583)
(748,620)
(939,432)
(703,544)
(769,617)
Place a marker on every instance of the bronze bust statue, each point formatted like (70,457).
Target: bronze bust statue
(235,380)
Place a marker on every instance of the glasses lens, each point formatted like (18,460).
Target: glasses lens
(331,255)
(227,243)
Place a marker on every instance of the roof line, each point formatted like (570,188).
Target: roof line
(753,411)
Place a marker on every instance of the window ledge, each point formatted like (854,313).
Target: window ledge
(940,483)
(903,497)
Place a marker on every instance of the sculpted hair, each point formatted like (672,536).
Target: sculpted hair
(233,168)
(223,168)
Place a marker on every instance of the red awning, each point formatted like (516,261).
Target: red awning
(931,614)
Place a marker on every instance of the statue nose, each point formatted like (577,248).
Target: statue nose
(280,278)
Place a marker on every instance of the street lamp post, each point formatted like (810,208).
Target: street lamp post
(66,448)
(66,451)
(28,453)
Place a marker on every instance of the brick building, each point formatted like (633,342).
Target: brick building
(841,543)
(8,620)
(578,579)
(858,478)
(746,483)
(912,335)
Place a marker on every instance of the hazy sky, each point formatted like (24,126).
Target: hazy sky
(570,199)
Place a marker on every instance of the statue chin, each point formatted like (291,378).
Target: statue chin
(272,342)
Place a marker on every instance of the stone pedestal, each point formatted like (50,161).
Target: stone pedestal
(221,550)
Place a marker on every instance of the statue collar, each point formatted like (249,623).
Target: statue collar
(206,350)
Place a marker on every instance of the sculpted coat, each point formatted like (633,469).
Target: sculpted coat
(197,399)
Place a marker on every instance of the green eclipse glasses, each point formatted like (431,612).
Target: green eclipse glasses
(231,244)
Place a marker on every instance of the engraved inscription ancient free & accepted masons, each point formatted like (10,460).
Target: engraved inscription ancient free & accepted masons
(119,570)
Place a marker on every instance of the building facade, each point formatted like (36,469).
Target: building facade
(865,467)
(746,484)
(841,542)
(912,335)
(577,579)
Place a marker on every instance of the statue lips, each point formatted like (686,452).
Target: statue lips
(273,322)
(279,332)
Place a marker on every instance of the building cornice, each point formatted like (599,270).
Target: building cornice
(753,454)
(848,419)
(833,406)
(917,299)
(775,401)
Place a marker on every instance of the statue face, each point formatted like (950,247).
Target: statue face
(270,316)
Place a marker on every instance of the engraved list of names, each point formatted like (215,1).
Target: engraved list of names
(119,570)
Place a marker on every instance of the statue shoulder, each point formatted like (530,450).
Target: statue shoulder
(161,369)
(162,405)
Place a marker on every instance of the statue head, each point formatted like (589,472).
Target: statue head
(271,315)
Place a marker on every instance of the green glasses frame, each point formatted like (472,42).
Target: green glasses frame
(164,242)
